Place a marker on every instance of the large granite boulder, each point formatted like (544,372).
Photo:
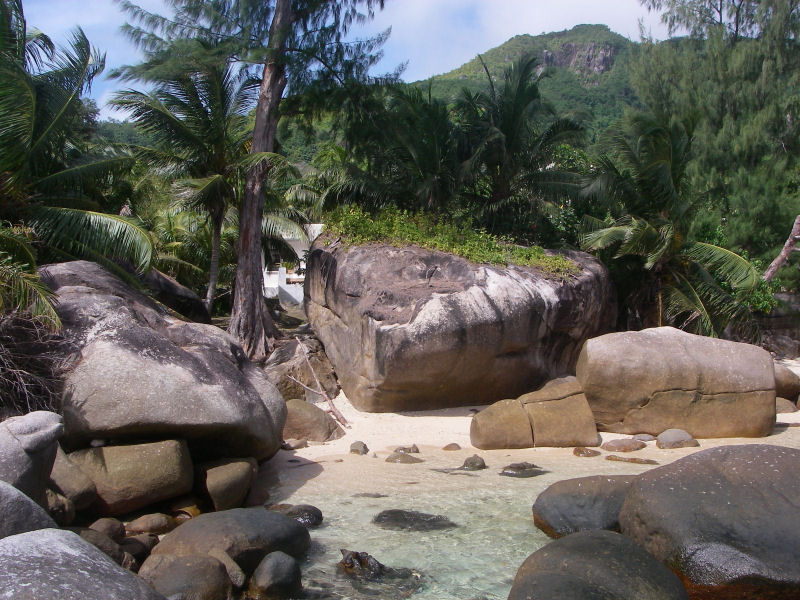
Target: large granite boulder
(53,564)
(724,519)
(140,373)
(18,513)
(28,446)
(179,298)
(187,577)
(414,329)
(557,415)
(662,378)
(289,360)
(306,421)
(72,483)
(581,504)
(246,535)
(594,565)
(130,477)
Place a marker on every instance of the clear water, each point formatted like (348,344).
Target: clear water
(476,560)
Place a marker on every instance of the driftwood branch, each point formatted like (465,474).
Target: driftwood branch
(788,248)
(320,390)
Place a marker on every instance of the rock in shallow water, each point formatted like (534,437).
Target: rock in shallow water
(579,504)
(585,452)
(632,459)
(403,458)
(724,519)
(411,520)
(594,565)
(305,514)
(473,463)
(522,469)
(623,445)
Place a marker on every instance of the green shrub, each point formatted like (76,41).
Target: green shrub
(401,228)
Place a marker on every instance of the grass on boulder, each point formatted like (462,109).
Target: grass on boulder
(401,228)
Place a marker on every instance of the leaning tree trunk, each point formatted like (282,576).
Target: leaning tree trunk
(788,248)
(250,319)
(213,269)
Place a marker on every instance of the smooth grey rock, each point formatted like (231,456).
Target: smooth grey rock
(403,458)
(226,481)
(581,504)
(179,298)
(309,422)
(141,373)
(414,329)
(725,519)
(676,438)
(474,463)
(784,406)
(787,383)
(305,514)
(132,477)
(277,576)
(522,470)
(245,534)
(624,445)
(235,573)
(661,378)
(594,565)
(19,513)
(358,448)
(187,577)
(71,482)
(28,447)
(54,564)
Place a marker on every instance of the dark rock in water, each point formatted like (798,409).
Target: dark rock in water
(411,520)
(585,452)
(451,447)
(523,469)
(370,495)
(246,534)
(676,438)
(19,513)
(724,519)
(364,566)
(358,448)
(631,459)
(54,564)
(412,449)
(277,576)
(403,458)
(187,577)
(581,504)
(474,463)
(390,300)
(624,445)
(594,565)
(28,446)
(305,514)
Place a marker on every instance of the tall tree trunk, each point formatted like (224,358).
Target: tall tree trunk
(250,322)
(213,269)
(788,248)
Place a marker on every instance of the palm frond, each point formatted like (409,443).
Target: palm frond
(724,263)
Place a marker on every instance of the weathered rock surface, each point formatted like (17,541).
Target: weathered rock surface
(288,359)
(140,373)
(187,577)
(132,477)
(53,564)
(594,565)
(305,421)
(245,534)
(556,415)
(71,482)
(413,329)
(226,481)
(583,503)
(724,519)
(28,447)
(18,513)
(787,383)
(656,379)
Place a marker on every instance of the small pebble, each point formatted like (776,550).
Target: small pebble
(402,458)
(523,469)
(451,447)
(358,448)
(408,449)
(586,452)
(632,459)
(623,445)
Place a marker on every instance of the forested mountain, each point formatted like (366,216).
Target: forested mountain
(588,65)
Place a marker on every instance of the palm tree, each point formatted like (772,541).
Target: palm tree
(514,138)
(646,185)
(45,169)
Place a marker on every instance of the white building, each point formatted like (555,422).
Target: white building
(288,287)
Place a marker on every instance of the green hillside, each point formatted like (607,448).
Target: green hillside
(587,65)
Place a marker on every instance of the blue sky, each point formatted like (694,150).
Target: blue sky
(431,36)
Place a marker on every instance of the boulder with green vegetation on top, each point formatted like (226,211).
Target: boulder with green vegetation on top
(410,328)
